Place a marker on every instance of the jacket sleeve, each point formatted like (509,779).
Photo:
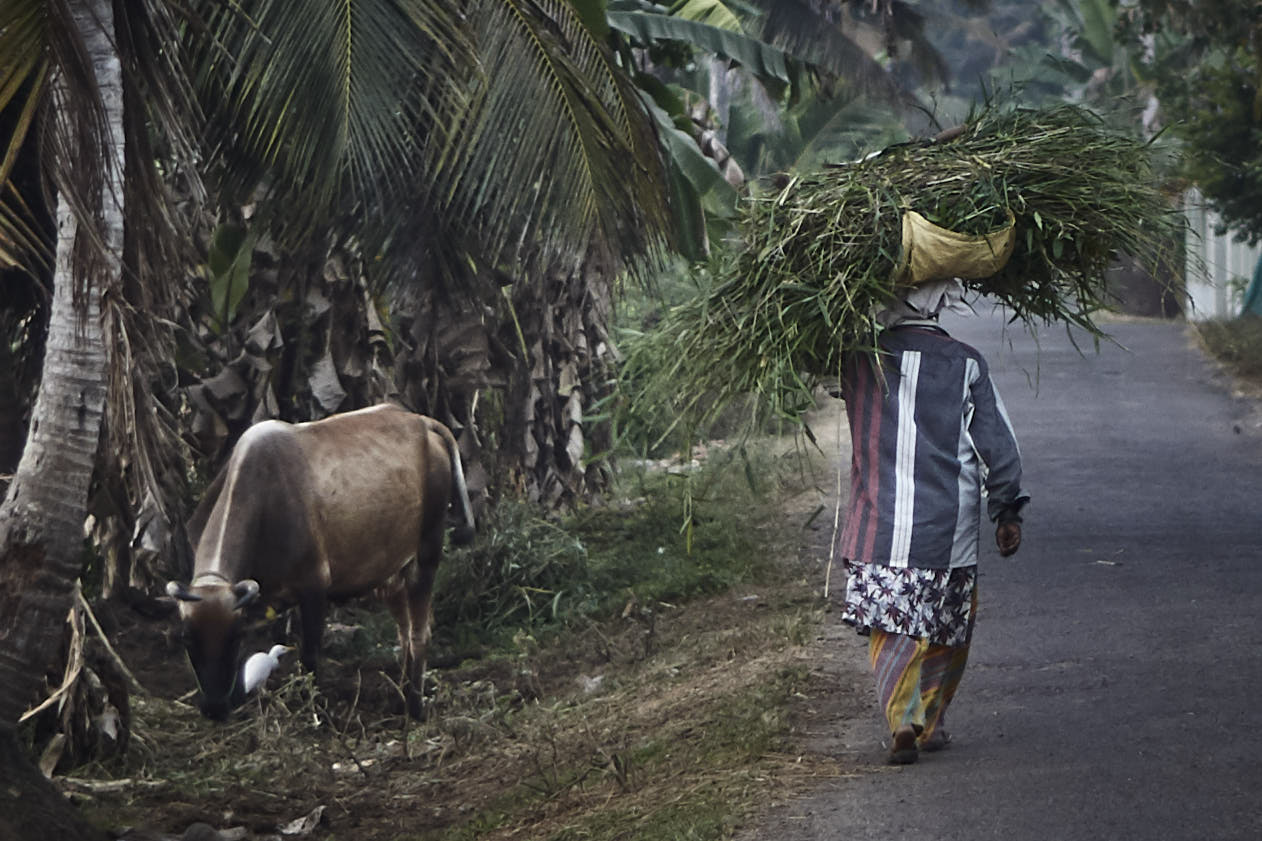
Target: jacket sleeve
(996,444)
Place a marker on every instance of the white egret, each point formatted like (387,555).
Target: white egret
(258,666)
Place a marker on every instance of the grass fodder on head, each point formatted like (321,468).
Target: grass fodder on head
(817,255)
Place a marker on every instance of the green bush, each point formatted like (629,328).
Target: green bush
(517,572)
(662,537)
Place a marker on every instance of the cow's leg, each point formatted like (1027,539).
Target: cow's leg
(396,598)
(420,606)
(411,606)
(312,605)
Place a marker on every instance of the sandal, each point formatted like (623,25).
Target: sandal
(903,750)
(939,740)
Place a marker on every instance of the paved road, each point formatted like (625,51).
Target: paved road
(1117,666)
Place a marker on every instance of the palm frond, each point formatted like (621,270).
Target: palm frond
(328,106)
(22,245)
(162,122)
(79,147)
(23,77)
(23,39)
(556,148)
(164,199)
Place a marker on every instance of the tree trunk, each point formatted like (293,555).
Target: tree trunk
(41,519)
(564,319)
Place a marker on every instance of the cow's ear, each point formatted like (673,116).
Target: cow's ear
(246,591)
(177,590)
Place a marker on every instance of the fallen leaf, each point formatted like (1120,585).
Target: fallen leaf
(303,825)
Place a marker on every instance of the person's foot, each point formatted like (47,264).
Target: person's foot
(903,750)
(940,739)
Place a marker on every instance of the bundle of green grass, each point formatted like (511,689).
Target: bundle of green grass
(819,254)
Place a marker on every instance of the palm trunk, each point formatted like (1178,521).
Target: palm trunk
(41,519)
(564,318)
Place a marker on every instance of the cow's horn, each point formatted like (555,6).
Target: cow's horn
(177,590)
(246,591)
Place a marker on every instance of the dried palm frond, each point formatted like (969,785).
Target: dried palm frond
(817,256)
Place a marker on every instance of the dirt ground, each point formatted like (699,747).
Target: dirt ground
(538,744)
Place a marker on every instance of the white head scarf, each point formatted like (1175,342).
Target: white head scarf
(924,302)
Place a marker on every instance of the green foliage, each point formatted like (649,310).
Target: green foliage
(1219,123)
(817,127)
(698,186)
(841,46)
(593,13)
(662,537)
(643,547)
(521,570)
(1075,56)
(228,263)
(646,25)
(1206,63)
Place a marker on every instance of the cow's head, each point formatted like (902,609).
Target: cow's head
(210,612)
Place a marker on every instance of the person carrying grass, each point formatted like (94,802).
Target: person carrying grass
(928,432)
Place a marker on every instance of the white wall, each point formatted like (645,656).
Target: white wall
(1216,265)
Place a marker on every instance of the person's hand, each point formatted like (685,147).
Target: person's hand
(1008,538)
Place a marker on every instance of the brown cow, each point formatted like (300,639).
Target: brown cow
(311,512)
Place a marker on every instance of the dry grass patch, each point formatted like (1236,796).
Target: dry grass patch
(678,738)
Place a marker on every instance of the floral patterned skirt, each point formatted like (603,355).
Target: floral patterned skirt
(937,604)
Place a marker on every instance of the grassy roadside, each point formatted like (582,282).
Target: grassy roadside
(630,689)
(1237,344)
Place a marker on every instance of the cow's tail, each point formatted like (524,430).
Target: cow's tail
(463,533)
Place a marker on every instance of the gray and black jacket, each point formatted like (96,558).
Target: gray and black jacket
(928,431)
